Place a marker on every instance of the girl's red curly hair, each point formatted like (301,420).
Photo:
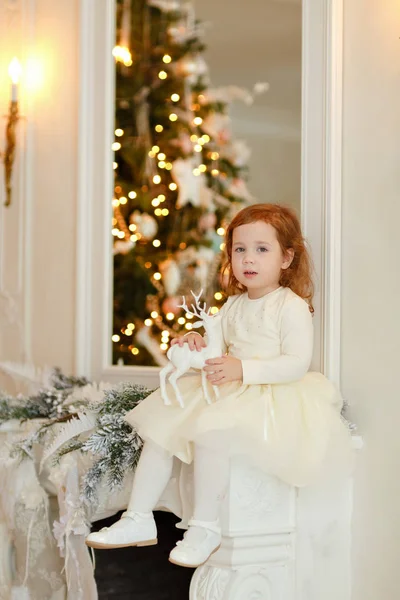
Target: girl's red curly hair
(298,277)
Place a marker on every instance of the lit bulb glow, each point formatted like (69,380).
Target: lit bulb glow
(15,70)
(122,54)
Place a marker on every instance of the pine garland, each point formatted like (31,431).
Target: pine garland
(114,445)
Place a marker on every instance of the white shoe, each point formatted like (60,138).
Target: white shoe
(200,541)
(133,529)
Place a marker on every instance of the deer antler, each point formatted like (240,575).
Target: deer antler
(197,310)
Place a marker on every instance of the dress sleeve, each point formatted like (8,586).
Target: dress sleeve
(296,349)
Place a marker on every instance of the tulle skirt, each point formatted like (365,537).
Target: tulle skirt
(293,431)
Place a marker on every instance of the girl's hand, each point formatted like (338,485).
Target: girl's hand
(223,369)
(195,341)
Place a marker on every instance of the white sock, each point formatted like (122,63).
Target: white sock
(151,477)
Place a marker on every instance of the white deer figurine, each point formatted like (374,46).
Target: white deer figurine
(182,358)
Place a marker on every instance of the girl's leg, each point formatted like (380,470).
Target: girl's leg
(211,477)
(137,526)
(151,477)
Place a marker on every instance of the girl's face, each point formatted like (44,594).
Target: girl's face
(257,258)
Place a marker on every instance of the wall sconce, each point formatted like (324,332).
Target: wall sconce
(8,156)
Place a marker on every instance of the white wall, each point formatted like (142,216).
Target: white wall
(371,286)
(44,206)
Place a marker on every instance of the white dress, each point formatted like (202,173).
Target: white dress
(286,419)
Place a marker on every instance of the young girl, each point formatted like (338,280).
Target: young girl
(270,407)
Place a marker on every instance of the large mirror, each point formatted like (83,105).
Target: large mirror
(207,120)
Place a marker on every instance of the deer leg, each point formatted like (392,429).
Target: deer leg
(163,376)
(174,384)
(204,386)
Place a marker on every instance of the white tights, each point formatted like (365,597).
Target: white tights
(211,472)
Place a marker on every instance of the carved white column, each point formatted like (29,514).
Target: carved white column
(279,543)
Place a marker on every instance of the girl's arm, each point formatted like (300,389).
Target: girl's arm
(292,364)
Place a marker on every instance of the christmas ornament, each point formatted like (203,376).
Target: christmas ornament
(217,126)
(237,152)
(171,305)
(171,276)
(145,223)
(123,246)
(191,188)
(207,221)
(191,68)
(238,188)
(166,5)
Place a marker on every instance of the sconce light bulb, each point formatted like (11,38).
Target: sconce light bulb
(15,70)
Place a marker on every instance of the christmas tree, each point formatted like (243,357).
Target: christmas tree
(179,177)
